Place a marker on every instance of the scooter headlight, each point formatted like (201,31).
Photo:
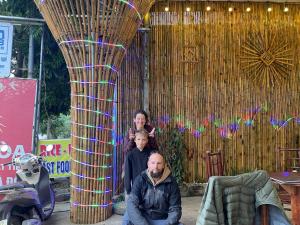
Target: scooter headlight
(3,195)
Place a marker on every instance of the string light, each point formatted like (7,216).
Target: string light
(93,140)
(132,6)
(166,9)
(230,9)
(94,111)
(93,66)
(248,9)
(278,124)
(208,8)
(93,82)
(93,42)
(269,9)
(87,164)
(224,130)
(188,9)
(286,9)
(90,178)
(76,204)
(90,191)
(91,152)
(91,126)
(95,98)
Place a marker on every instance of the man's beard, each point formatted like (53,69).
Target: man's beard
(156,175)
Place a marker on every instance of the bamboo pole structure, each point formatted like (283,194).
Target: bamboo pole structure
(93,37)
(227,66)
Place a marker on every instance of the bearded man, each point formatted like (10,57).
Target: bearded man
(155,197)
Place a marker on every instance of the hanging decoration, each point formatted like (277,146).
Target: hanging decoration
(225,130)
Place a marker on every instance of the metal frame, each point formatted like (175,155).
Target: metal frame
(19,21)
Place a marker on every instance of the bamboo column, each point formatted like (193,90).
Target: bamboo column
(93,36)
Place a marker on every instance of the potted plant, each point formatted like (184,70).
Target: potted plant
(172,145)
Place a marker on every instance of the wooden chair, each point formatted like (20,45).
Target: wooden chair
(287,159)
(214,164)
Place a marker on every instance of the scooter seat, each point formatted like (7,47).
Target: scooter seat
(11,186)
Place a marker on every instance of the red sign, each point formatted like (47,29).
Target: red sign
(17,98)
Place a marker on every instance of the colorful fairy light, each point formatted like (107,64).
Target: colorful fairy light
(88,66)
(94,98)
(93,42)
(94,111)
(91,126)
(225,130)
(90,165)
(132,6)
(234,127)
(76,204)
(278,124)
(93,139)
(297,120)
(79,189)
(197,133)
(91,152)
(90,178)
(93,82)
(217,123)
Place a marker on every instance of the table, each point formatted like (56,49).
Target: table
(290,181)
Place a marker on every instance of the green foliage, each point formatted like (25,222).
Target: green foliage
(58,126)
(172,145)
(55,92)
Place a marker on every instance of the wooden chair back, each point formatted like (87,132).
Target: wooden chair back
(214,164)
(288,159)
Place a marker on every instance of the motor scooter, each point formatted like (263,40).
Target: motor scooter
(32,199)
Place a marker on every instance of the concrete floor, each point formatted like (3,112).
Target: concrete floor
(190,208)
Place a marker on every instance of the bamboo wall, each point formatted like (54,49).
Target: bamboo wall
(129,99)
(211,68)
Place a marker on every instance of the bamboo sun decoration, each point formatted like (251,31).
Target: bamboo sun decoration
(93,36)
(266,59)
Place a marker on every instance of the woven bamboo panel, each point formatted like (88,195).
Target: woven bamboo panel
(216,66)
(220,64)
(130,99)
(93,37)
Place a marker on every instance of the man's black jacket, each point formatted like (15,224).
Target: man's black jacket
(156,201)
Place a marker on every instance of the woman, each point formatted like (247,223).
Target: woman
(140,121)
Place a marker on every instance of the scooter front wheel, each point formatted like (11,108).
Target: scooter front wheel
(15,220)
(49,210)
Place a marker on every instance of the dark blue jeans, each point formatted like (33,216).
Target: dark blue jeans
(150,221)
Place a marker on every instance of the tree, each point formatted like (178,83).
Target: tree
(55,92)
